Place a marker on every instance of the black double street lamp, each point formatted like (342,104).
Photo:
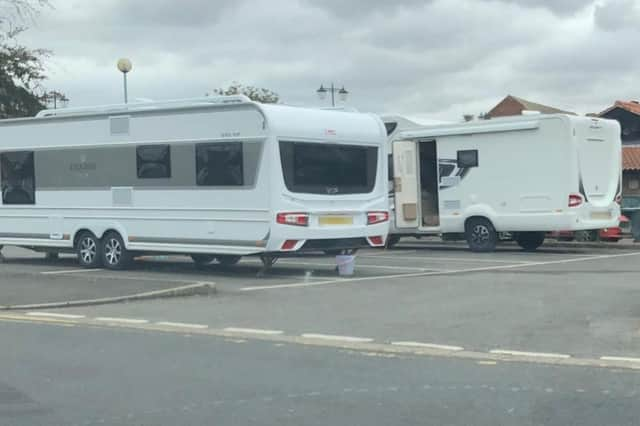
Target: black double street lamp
(342,93)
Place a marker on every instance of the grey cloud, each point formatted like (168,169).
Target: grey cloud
(362,8)
(438,57)
(615,15)
(171,12)
(560,7)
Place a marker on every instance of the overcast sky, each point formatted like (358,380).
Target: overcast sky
(421,58)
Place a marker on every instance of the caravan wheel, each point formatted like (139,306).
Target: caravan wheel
(89,250)
(530,241)
(114,253)
(480,234)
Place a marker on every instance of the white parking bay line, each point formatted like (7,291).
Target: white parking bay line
(363,265)
(54,315)
(529,354)
(69,271)
(431,259)
(620,358)
(350,339)
(182,325)
(428,346)
(253,331)
(122,320)
(440,273)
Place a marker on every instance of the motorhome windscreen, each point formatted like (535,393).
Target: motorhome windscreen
(323,168)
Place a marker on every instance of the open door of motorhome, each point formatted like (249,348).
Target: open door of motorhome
(405,183)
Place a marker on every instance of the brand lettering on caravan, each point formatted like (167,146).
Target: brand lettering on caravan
(81,167)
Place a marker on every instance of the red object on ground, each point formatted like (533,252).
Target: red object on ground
(613,234)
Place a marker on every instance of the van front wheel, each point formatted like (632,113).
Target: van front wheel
(530,241)
(481,235)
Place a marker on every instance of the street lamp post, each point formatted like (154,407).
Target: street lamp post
(124,65)
(342,93)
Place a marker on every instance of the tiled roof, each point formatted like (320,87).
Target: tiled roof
(544,109)
(631,157)
(632,106)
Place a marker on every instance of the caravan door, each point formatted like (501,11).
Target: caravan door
(405,184)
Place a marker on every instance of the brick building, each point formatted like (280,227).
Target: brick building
(513,105)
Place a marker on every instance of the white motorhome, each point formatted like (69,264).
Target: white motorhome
(214,178)
(524,175)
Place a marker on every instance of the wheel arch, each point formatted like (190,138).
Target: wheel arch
(100,230)
(482,211)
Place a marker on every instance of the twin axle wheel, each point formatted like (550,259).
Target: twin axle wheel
(108,251)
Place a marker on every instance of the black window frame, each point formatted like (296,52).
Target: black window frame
(238,175)
(467,163)
(141,162)
(288,158)
(9,182)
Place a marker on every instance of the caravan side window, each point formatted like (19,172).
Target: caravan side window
(18,177)
(468,158)
(153,161)
(219,164)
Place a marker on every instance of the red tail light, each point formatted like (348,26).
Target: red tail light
(377,217)
(575,200)
(376,241)
(289,244)
(296,219)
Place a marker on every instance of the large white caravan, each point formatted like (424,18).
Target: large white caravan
(216,178)
(523,175)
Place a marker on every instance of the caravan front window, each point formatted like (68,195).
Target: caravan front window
(323,168)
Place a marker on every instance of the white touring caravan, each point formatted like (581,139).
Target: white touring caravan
(216,178)
(524,175)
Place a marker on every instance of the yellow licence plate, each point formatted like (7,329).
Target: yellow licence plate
(601,215)
(335,220)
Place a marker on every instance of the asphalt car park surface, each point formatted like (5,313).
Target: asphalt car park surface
(569,301)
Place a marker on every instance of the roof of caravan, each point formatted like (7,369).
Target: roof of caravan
(280,119)
(521,122)
(322,123)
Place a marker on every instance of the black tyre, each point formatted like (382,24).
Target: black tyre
(587,236)
(89,250)
(114,253)
(481,235)
(228,259)
(392,241)
(202,259)
(530,241)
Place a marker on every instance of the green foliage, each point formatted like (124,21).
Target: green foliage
(257,94)
(21,68)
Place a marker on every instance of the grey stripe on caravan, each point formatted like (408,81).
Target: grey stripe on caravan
(23,235)
(127,143)
(198,241)
(44,188)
